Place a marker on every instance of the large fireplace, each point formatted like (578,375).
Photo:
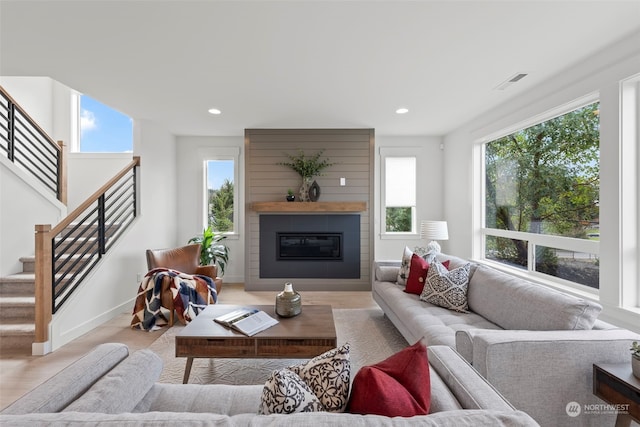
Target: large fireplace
(310,246)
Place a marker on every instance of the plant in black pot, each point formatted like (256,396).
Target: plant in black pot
(290,196)
(213,252)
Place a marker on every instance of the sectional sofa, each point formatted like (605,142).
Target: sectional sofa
(109,387)
(537,346)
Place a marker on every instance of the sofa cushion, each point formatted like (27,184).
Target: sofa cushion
(445,288)
(396,387)
(405,265)
(514,303)
(326,377)
(121,389)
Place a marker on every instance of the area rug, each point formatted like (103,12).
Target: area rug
(372,338)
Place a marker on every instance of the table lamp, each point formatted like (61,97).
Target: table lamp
(433,230)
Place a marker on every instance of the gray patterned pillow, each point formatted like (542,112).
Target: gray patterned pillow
(405,265)
(321,384)
(446,288)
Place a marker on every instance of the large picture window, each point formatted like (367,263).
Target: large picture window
(542,190)
(103,129)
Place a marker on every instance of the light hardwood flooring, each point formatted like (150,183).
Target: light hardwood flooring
(21,373)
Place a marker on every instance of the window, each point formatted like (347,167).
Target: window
(542,190)
(221,195)
(102,129)
(399,194)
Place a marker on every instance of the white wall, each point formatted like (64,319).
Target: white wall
(87,172)
(191,151)
(112,287)
(430,189)
(598,74)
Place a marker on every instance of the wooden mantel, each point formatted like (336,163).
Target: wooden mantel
(309,206)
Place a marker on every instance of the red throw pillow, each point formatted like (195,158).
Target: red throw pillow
(418,274)
(396,387)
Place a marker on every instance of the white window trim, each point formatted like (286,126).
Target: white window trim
(385,235)
(221,153)
(560,242)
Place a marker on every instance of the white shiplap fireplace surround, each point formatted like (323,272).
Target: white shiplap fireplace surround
(351,152)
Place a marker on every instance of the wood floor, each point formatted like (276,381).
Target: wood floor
(19,374)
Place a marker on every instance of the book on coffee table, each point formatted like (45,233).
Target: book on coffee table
(249,321)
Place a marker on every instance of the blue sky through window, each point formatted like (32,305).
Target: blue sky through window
(218,171)
(103,129)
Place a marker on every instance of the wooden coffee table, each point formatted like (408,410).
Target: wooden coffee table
(305,336)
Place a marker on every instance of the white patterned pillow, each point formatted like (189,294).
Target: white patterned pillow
(321,384)
(286,393)
(405,265)
(446,288)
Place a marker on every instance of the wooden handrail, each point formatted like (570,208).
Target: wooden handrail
(77,211)
(31,120)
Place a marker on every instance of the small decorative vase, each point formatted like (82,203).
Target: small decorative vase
(304,189)
(288,302)
(314,192)
(291,198)
(635,366)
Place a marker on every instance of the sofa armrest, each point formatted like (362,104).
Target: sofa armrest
(66,386)
(469,388)
(385,270)
(541,372)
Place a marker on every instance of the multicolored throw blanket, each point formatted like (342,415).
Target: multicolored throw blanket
(190,295)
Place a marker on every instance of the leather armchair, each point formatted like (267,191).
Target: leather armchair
(185,259)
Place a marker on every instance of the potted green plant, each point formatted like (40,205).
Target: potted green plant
(213,252)
(307,167)
(635,359)
(290,196)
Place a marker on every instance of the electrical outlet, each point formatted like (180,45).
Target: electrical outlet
(343,182)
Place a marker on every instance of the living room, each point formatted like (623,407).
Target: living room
(449,155)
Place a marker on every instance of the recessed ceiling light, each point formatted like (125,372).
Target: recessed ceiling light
(402,110)
(214,111)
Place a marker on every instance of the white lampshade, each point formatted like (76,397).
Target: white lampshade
(434,230)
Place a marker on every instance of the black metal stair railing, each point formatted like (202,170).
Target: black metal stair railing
(27,146)
(77,247)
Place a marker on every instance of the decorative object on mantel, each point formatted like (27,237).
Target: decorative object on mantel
(290,196)
(635,359)
(434,230)
(307,168)
(288,302)
(314,192)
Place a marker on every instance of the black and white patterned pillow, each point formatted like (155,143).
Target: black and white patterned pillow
(321,384)
(405,266)
(446,288)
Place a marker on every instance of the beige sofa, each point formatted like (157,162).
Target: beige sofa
(537,346)
(108,387)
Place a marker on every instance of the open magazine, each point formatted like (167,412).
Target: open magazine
(249,321)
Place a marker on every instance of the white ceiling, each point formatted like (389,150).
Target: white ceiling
(301,64)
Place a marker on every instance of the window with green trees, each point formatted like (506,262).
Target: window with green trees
(541,197)
(220,195)
(400,194)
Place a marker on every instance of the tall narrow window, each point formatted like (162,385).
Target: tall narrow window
(221,215)
(400,194)
(542,189)
(103,129)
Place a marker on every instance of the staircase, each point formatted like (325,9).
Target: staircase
(17,310)
(17,300)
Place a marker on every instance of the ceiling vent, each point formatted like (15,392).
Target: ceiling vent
(511,80)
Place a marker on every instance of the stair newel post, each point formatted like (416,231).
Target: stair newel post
(43,287)
(62,172)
